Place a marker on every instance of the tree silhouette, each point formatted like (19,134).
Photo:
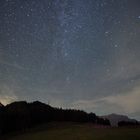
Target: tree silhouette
(19,116)
(128,123)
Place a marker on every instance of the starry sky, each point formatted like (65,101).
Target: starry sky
(82,54)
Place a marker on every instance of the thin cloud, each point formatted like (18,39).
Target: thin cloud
(129,102)
(126,103)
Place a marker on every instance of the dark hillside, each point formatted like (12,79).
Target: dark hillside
(19,116)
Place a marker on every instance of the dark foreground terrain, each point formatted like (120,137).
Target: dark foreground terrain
(76,131)
(21,116)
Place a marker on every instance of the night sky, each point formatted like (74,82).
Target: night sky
(82,54)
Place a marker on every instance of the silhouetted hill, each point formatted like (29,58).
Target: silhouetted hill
(116,118)
(19,116)
(1,105)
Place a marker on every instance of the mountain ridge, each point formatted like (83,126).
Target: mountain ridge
(116,118)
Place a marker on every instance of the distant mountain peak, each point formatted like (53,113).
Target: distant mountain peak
(117,115)
(115,118)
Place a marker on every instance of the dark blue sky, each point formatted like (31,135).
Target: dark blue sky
(72,53)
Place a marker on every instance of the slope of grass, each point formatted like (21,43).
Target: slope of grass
(71,131)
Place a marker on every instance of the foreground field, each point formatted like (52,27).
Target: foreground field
(70,131)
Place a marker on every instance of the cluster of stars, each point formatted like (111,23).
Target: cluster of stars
(73,46)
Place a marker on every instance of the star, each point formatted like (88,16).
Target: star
(116,46)
(73,47)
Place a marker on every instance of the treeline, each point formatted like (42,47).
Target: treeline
(19,116)
(128,123)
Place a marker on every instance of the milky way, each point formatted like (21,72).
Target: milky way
(71,53)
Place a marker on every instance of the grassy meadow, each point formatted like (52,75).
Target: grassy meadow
(74,131)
